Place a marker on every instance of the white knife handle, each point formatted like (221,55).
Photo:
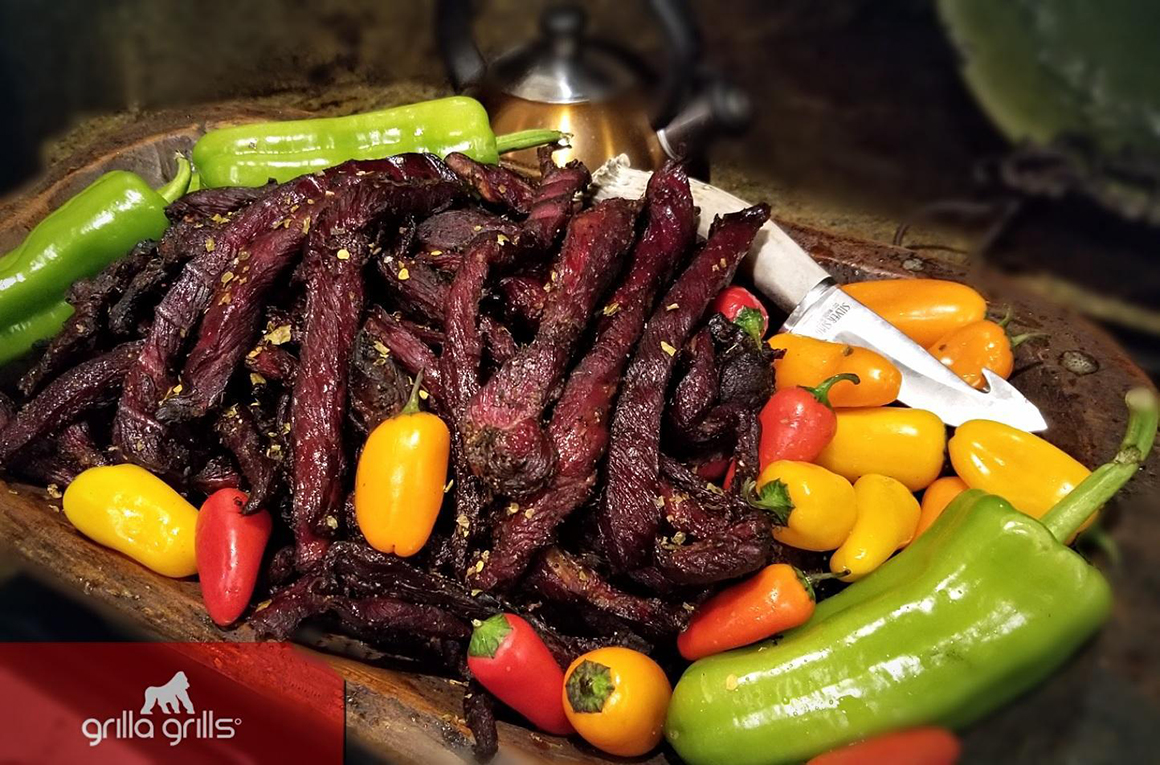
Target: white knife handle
(781,269)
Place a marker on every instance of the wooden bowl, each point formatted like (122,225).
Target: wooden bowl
(1097,700)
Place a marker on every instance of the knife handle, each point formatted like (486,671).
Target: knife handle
(778,266)
(781,269)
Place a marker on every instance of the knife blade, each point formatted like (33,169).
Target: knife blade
(818,308)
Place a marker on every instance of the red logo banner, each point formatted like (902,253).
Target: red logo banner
(83,703)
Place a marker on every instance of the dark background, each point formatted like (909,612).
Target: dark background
(861,119)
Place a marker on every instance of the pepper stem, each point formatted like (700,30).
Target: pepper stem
(1072,511)
(177,187)
(412,406)
(1006,317)
(821,391)
(1018,340)
(589,686)
(751,320)
(526,139)
(489,636)
(772,497)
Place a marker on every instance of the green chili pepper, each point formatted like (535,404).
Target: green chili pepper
(18,338)
(81,237)
(984,605)
(250,155)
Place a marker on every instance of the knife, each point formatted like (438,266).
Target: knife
(819,308)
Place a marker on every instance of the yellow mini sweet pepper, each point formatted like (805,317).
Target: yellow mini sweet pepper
(807,362)
(887,518)
(905,444)
(814,506)
(1025,470)
(129,509)
(399,482)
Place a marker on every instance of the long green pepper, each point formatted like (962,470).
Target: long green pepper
(984,605)
(250,155)
(76,241)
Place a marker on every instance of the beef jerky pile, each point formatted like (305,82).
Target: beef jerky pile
(567,346)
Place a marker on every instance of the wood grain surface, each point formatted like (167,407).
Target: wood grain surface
(406,717)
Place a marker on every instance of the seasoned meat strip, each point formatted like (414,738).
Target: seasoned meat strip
(239,433)
(408,349)
(629,514)
(231,323)
(78,390)
(524,297)
(479,713)
(90,299)
(579,426)
(378,389)
(493,183)
(415,286)
(463,350)
(560,576)
(448,232)
(205,203)
(229,326)
(136,431)
(503,438)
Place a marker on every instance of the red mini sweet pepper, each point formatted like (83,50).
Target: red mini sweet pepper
(510,660)
(229,548)
(739,305)
(797,423)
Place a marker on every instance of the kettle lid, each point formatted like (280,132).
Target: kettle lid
(563,66)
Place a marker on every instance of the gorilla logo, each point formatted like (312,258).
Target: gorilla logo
(167,696)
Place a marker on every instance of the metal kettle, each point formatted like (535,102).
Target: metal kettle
(605,97)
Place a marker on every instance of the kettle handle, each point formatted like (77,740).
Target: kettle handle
(464,62)
(466,65)
(684,44)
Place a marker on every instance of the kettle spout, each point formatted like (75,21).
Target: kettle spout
(719,108)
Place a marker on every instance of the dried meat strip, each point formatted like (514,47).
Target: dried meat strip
(501,346)
(463,350)
(503,438)
(560,576)
(408,349)
(136,431)
(217,473)
(272,363)
(76,444)
(579,426)
(183,240)
(239,433)
(524,297)
(479,714)
(493,183)
(415,286)
(229,326)
(90,299)
(629,514)
(206,203)
(696,392)
(378,389)
(740,548)
(449,232)
(75,392)
(335,295)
